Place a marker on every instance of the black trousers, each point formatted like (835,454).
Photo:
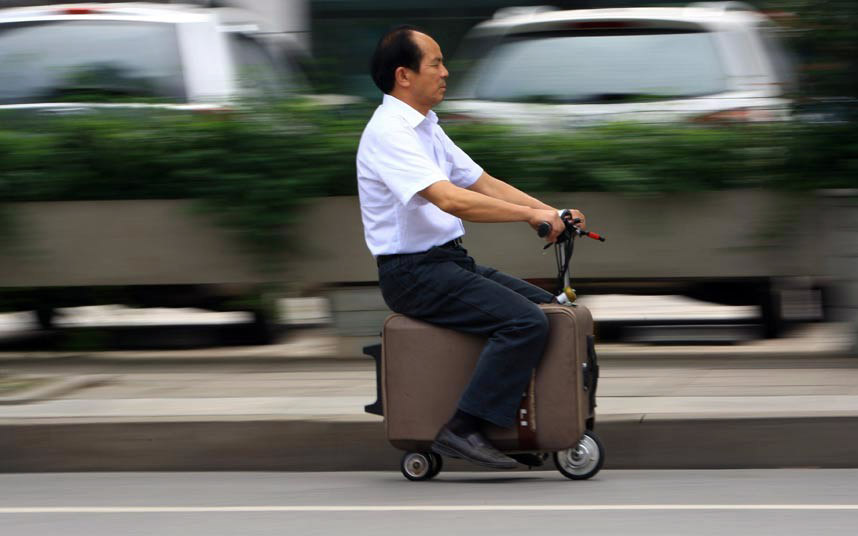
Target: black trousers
(444,286)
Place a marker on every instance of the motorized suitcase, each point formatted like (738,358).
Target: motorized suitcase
(425,368)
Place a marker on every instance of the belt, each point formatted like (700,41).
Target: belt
(452,244)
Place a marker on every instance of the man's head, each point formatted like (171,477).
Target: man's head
(408,64)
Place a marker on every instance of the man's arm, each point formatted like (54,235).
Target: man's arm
(475,206)
(498,189)
(492,187)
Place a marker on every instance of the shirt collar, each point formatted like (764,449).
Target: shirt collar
(411,115)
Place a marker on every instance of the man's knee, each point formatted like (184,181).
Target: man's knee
(536,324)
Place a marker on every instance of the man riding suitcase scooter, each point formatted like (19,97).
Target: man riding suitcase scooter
(415,187)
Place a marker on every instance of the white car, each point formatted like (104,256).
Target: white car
(137,54)
(557,69)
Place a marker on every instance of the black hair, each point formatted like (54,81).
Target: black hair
(397,48)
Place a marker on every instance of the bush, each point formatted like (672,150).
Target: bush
(249,168)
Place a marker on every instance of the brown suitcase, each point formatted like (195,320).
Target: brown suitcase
(425,368)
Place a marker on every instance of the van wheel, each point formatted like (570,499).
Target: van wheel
(263,328)
(45,317)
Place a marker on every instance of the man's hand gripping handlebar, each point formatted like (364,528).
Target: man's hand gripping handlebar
(573,225)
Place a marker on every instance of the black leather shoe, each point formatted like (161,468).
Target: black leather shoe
(474,448)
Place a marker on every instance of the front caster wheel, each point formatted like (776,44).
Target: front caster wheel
(583,460)
(419,466)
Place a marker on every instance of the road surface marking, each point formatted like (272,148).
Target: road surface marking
(416,508)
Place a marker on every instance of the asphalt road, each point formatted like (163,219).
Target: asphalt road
(759,502)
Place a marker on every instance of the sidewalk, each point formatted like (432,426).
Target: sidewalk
(294,406)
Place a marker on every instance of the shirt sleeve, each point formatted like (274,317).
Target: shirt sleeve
(400,162)
(465,171)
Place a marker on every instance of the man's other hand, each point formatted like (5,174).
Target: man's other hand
(552,217)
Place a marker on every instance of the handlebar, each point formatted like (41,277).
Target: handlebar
(563,247)
(545,228)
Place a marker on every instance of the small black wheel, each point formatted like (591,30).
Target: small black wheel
(437,464)
(45,317)
(263,329)
(417,466)
(583,460)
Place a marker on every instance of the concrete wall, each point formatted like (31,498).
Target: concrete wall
(693,235)
(840,263)
(701,235)
(91,243)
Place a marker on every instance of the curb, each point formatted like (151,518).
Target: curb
(55,388)
(329,444)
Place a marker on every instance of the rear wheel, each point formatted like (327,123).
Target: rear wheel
(583,460)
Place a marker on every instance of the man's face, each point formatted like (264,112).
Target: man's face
(429,85)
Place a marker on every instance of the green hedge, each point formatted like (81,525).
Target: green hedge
(249,168)
(252,167)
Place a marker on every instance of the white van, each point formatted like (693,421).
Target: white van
(135,54)
(547,68)
(87,58)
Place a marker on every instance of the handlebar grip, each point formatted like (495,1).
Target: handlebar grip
(543,229)
(594,236)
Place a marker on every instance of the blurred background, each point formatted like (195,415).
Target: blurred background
(182,175)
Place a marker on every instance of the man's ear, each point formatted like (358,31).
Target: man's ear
(400,77)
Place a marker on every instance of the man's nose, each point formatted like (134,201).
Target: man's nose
(444,72)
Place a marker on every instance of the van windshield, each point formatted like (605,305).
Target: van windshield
(602,67)
(90,61)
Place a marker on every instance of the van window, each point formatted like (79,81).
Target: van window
(259,73)
(256,70)
(782,63)
(744,60)
(85,60)
(600,67)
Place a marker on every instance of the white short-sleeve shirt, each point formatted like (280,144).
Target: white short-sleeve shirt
(402,152)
